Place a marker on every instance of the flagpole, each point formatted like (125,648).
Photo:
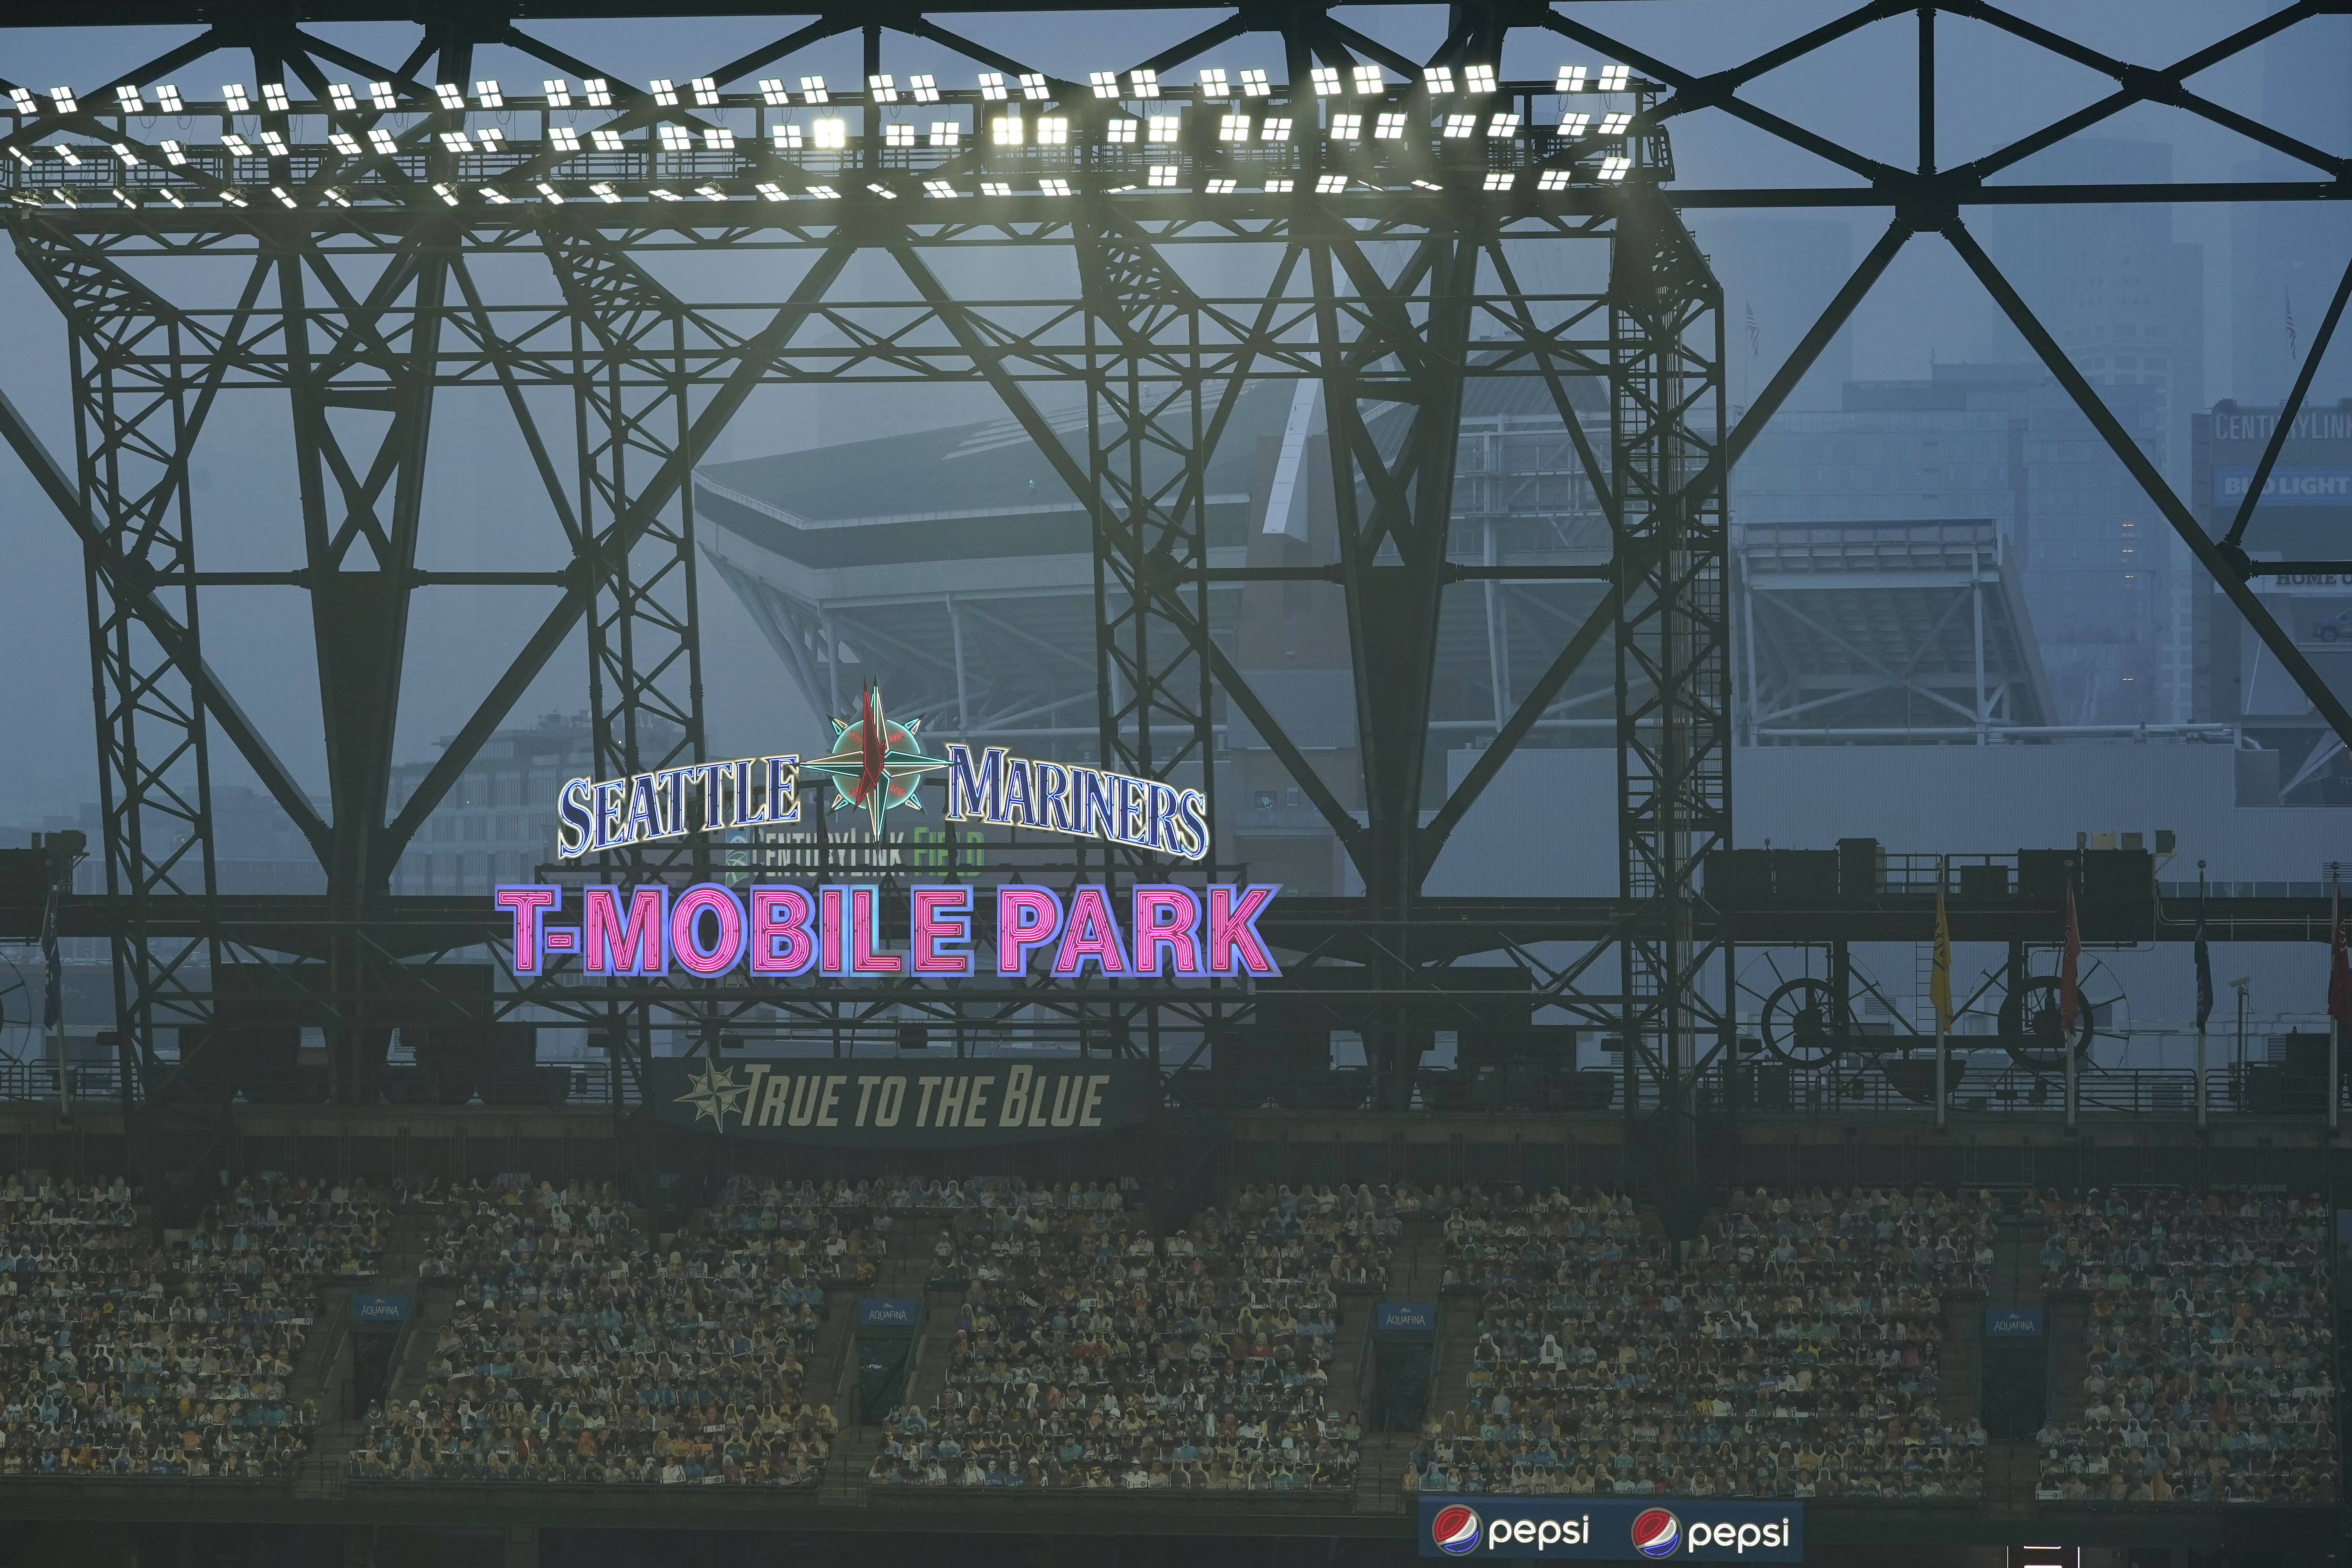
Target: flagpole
(2070,999)
(1939,995)
(2204,993)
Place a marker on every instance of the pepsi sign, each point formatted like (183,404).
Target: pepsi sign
(1613,1528)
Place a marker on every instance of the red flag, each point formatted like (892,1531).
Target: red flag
(2070,990)
(2339,971)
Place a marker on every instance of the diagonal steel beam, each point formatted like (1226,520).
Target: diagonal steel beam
(2209,554)
(2286,414)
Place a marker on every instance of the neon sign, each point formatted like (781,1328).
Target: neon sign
(877,765)
(783,930)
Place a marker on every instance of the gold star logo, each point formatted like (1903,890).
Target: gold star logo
(713,1093)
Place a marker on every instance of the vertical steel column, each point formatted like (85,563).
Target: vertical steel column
(1674,731)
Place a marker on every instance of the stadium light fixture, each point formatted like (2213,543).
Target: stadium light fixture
(1368,82)
(1574,126)
(489,95)
(1438,79)
(599,91)
(1278,187)
(167,99)
(1276,128)
(334,194)
(1460,125)
(882,88)
(233,97)
(449,196)
(1143,83)
(885,192)
(1052,185)
(1552,180)
(1500,179)
(1053,131)
(770,192)
(1325,80)
(1503,124)
(273,98)
(1615,125)
(1427,186)
(563,138)
(1005,129)
(384,141)
(131,101)
(606,140)
(1255,85)
(992,86)
(663,194)
(345,144)
(947,133)
(718,139)
(340,97)
(830,135)
(1330,185)
(175,154)
(823,192)
(1033,87)
(812,90)
(558,91)
(939,189)
(1615,78)
(1105,83)
(237,146)
(1389,128)
(772,92)
(784,138)
(129,159)
(1163,176)
(665,91)
(1572,79)
(553,196)
(706,92)
(712,194)
(450,94)
(604,193)
(1478,79)
(925,89)
(994,188)
(1163,128)
(1614,169)
(1120,132)
(1222,187)
(1213,83)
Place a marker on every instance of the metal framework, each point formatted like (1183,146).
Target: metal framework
(1387,218)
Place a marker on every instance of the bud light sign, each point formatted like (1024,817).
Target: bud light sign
(1613,1528)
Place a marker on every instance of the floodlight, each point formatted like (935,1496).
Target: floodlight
(1143,83)
(236,145)
(1234,128)
(340,97)
(1498,179)
(925,89)
(897,136)
(1222,187)
(718,139)
(1552,180)
(812,89)
(344,143)
(447,195)
(1505,124)
(1004,131)
(665,92)
(1427,186)
(1255,85)
(167,99)
(558,91)
(491,138)
(1049,186)
(831,135)
(885,192)
(710,193)
(233,97)
(231,197)
(1053,131)
(1615,125)
(456,141)
(882,88)
(946,132)
(1389,128)
(172,196)
(488,95)
(600,94)
(604,193)
(273,96)
(335,195)
(1574,126)
(606,140)
(119,195)
(23,99)
(770,191)
(1274,128)
(1033,85)
(1163,128)
(1105,83)
(284,197)
(1162,176)
(563,138)
(72,158)
(1460,125)
(451,95)
(1277,187)
(1614,168)
(555,198)
(1572,79)
(175,154)
(1368,82)
(1212,83)
(1478,79)
(938,188)
(1120,132)
(991,86)
(133,101)
(785,138)
(994,188)
(1325,80)
(1438,79)
(662,193)
(1615,78)
(705,91)
(773,93)
(1330,185)
(824,193)
(129,159)
(1346,127)
(382,141)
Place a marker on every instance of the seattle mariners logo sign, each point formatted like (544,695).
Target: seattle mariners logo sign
(877,762)
(1454,1530)
(1657,1533)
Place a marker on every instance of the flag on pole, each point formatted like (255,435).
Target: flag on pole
(2293,351)
(53,1010)
(2204,963)
(2339,970)
(1755,334)
(1939,970)
(2070,990)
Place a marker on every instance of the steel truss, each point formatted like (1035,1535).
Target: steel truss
(362,306)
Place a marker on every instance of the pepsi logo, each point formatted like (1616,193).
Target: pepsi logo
(1656,1533)
(1455,1530)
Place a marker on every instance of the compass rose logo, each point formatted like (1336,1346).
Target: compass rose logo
(877,762)
(713,1092)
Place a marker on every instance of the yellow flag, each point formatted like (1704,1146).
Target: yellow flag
(1939,972)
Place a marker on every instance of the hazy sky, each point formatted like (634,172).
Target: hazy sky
(485,510)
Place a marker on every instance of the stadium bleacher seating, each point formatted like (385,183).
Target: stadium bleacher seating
(2211,1349)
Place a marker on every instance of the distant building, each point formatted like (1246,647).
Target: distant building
(2285,258)
(498,823)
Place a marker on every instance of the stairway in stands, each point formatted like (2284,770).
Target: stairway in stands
(2012,1468)
(328,1464)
